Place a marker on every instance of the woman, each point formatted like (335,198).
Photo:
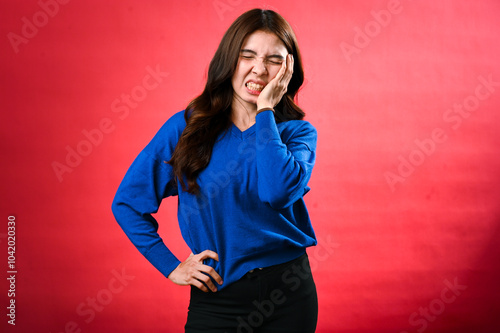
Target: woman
(239,159)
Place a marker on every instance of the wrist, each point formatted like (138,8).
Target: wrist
(264,104)
(264,109)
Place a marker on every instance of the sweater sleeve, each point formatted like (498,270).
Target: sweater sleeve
(140,193)
(283,168)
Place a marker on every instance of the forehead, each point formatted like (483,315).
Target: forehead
(264,42)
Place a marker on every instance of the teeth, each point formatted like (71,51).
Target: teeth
(255,86)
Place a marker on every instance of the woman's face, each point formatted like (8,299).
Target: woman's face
(261,56)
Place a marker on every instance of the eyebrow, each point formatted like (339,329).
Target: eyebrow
(277,56)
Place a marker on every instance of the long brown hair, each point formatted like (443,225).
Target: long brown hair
(209,114)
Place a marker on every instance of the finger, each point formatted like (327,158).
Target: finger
(212,272)
(198,284)
(206,280)
(279,76)
(281,73)
(289,71)
(208,254)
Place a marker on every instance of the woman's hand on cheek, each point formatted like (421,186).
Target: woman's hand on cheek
(273,92)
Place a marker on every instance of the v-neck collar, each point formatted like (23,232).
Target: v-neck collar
(242,134)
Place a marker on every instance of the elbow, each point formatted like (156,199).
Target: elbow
(277,199)
(281,195)
(117,209)
(115,206)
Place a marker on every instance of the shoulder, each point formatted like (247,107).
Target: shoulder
(168,135)
(175,123)
(298,130)
(173,127)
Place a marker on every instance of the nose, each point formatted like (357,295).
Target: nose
(259,67)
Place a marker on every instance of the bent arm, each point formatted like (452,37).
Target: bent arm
(283,169)
(141,191)
(139,195)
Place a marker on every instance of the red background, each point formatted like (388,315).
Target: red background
(388,251)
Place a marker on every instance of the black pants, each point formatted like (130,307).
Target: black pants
(280,298)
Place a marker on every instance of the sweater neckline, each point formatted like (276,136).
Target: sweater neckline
(242,134)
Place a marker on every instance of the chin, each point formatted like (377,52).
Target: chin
(250,99)
(247,98)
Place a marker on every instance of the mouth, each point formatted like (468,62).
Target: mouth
(254,88)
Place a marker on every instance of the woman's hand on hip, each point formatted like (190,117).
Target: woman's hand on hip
(273,92)
(194,272)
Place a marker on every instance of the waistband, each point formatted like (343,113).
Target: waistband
(265,270)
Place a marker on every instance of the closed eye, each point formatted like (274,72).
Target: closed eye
(274,59)
(275,62)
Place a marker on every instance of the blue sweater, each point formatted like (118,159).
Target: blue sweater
(250,209)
